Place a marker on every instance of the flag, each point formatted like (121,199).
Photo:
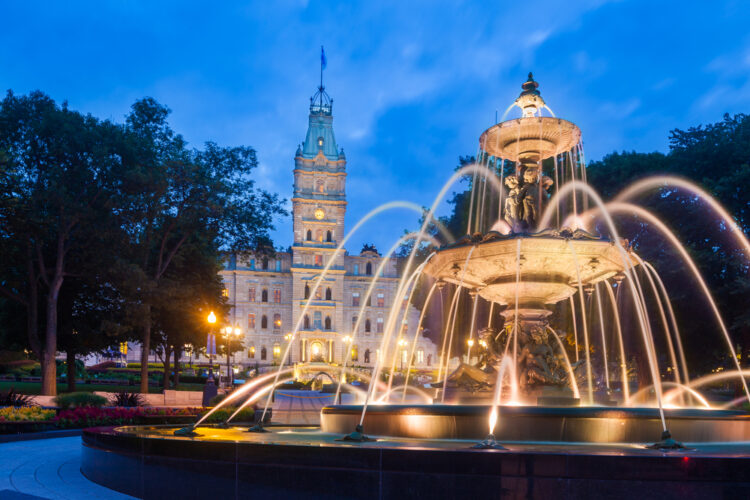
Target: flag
(323,60)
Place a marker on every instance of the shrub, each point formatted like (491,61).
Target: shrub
(15,399)
(127,399)
(80,399)
(91,417)
(27,414)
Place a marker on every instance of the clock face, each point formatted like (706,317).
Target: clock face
(319,213)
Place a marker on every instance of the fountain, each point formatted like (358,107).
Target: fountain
(521,394)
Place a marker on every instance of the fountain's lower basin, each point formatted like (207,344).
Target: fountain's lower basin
(537,423)
(150,462)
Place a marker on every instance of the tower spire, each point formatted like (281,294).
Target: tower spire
(321,102)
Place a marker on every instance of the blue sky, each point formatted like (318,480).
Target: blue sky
(414,84)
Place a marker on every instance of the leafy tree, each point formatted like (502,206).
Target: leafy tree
(57,178)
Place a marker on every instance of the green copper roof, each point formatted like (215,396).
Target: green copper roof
(320,135)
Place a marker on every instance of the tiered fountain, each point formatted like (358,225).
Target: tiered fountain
(518,387)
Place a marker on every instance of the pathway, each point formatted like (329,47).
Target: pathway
(47,469)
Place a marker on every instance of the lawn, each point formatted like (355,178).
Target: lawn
(35,387)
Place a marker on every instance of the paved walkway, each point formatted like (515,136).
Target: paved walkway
(47,469)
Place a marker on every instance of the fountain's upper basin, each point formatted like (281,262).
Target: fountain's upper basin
(531,138)
(538,423)
(550,266)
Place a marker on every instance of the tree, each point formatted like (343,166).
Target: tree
(173,194)
(57,179)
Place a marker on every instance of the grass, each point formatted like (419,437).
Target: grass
(36,387)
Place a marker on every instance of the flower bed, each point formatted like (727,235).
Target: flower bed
(25,419)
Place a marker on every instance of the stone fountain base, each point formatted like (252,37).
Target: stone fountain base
(537,423)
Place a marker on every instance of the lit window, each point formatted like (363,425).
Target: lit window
(381,300)
(251,352)
(276,351)
(251,294)
(420,356)
(224,292)
(319,260)
(355,353)
(276,321)
(277,296)
(251,321)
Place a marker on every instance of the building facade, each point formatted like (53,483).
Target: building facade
(269,295)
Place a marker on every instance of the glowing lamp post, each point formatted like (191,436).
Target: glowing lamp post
(229,333)
(211,321)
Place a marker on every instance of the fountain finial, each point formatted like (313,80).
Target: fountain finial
(530,101)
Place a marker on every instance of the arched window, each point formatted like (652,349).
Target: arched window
(265,263)
(319,235)
(276,351)
(355,353)
(277,321)
(306,322)
(321,186)
(368,269)
(263,352)
(307,291)
(309,235)
(328,323)
(367,325)
(264,322)
(328,294)
(329,236)
(264,295)
(367,355)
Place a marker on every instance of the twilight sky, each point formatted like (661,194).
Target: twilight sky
(414,84)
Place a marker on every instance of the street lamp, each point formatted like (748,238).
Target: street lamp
(211,320)
(227,333)
(402,343)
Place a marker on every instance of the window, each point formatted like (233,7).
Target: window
(319,260)
(251,352)
(224,292)
(277,321)
(355,353)
(321,184)
(328,294)
(263,353)
(381,300)
(355,298)
(368,269)
(319,235)
(329,236)
(278,266)
(251,294)
(318,293)
(380,325)
(354,322)
(277,296)
(276,351)
(309,235)
(367,325)
(264,322)
(369,300)
(328,323)
(306,322)
(251,321)
(318,320)
(265,263)
(307,291)
(264,295)
(420,356)
(252,263)
(367,355)
(356,269)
